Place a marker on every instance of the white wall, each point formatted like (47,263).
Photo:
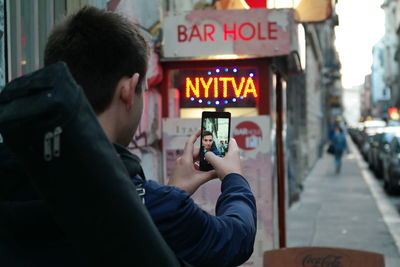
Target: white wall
(379,90)
(352,104)
(390,42)
(313,106)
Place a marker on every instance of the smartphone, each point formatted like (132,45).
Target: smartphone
(215,135)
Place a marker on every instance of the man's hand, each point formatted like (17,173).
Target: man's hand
(185,175)
(229,164)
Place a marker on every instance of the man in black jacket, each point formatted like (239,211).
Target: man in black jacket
(68,211)
(108,58)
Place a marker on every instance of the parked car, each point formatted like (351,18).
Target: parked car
(356,133)
(377,143)
(372,156)
(393,123)
(391,165)
(371,128)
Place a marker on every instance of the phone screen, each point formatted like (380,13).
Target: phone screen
(215,134)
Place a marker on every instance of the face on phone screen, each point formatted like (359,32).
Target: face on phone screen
(214,136)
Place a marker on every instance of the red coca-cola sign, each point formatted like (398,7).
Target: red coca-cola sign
(248,135)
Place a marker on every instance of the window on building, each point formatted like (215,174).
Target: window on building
(28,25)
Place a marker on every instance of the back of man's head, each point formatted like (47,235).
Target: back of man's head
(99,47)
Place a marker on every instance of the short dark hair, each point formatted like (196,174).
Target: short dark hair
(99,47)
(205,133)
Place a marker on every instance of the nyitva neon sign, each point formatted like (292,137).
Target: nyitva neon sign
(220,87)
(217,86)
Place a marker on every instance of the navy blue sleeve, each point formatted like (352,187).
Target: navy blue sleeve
(198,237)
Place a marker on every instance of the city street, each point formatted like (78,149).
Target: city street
(143,98)
(349,210)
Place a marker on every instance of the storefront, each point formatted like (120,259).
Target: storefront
(232,60)
(224,60)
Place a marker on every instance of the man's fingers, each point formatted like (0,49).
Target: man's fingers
(212,158)
(196,153)
(188,150)
(211,175)
(232,146)
(207,176)
(196,162)
(196,165)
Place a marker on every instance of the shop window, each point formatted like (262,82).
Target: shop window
(28,25)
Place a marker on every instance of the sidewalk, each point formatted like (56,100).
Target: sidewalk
(341,211)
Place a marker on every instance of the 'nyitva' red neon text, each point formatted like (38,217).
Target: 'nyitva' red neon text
(201,87)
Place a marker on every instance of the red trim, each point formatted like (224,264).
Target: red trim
(257,3)
(263,104)
(280,162)
(164,92)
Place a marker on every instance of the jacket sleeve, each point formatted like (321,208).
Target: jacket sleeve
(200,238)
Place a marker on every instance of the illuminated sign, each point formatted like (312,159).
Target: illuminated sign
(229,33)
(201,88)
(233,87)
(394,113)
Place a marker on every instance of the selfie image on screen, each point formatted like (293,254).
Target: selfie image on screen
(214,138)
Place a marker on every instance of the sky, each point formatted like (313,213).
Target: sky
(361,26)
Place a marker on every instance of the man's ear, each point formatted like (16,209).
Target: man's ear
(128,90)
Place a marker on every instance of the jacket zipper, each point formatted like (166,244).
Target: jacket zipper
(52,144)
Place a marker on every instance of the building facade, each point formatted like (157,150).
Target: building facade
(380,92)
(365,98)
(313,97)
(390,41)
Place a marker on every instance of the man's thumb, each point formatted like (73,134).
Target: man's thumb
(212,158)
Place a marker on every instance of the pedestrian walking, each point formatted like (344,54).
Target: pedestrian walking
(339,146)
